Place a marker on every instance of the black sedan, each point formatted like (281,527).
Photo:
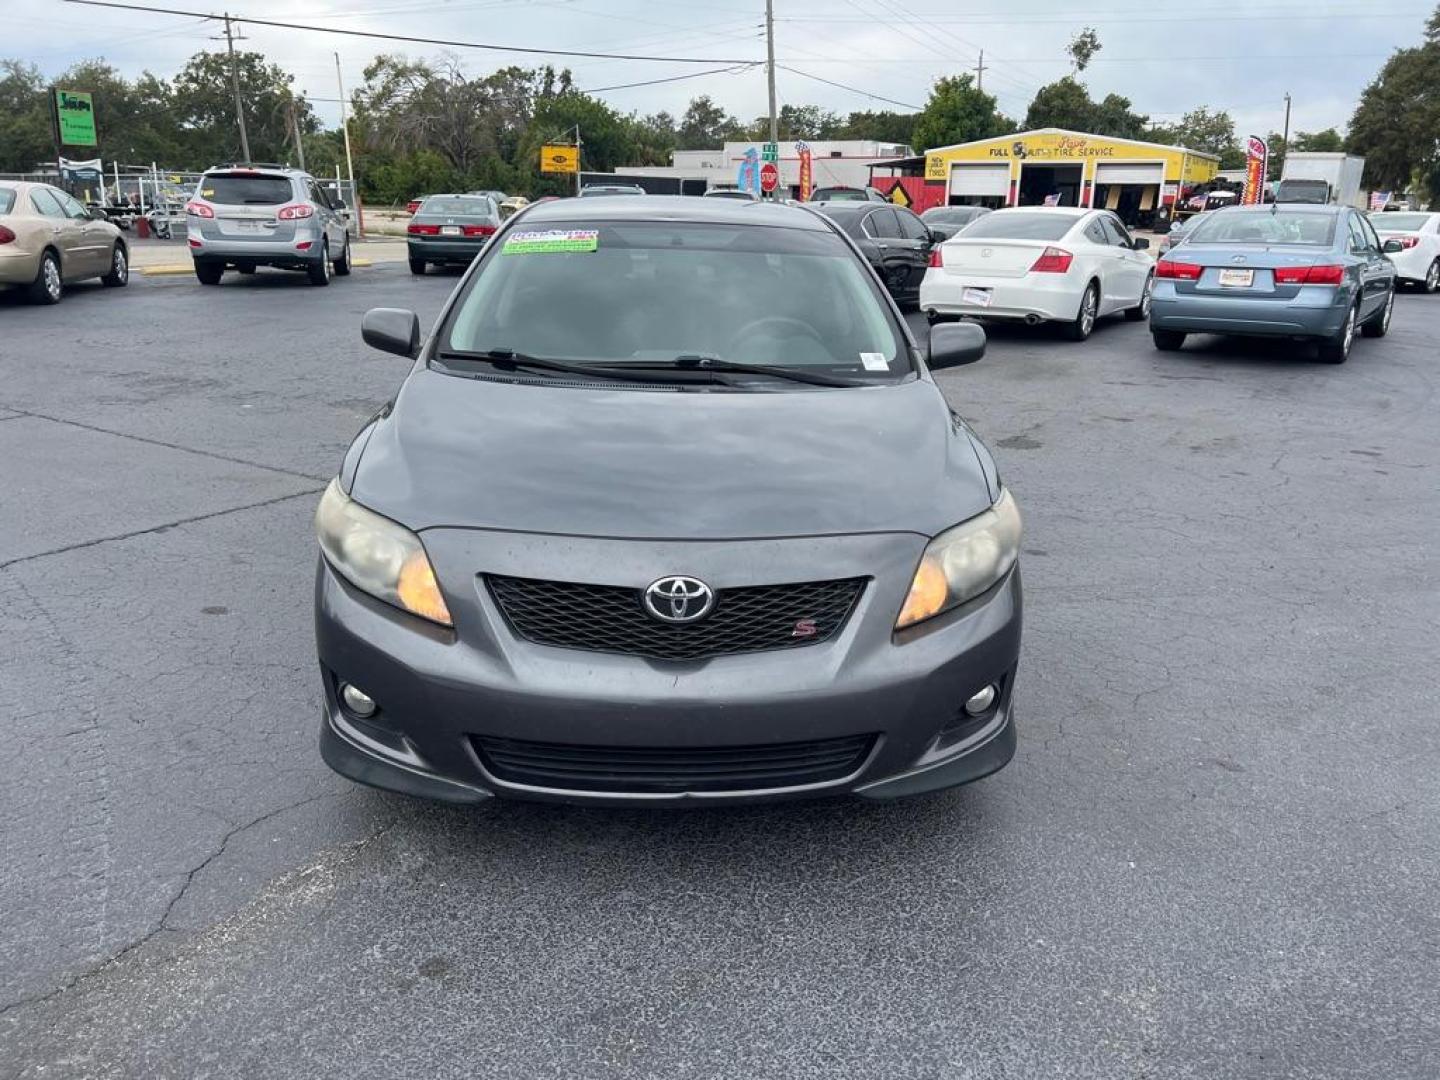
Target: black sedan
(893,240)
(450,229)
(947,221)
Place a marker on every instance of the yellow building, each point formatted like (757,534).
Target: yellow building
(1067,168)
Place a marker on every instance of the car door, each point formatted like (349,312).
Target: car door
(1385,273)
(65,233)
(95,239)
(882,227)
(1132,268)
(1376,271)
(1101,256)
(327,215)
(915,242)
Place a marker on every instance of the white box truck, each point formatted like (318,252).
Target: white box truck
(1313,177)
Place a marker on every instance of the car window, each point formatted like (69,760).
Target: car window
(1372,238)
(1358,240)
(1400,222)
(45,203)
(70,206)
(1115,231)
(245,189)
(1306,228)
(911,226)
(1021,226)
(613,291)
(318,195)
(458,206)
(1095,233)
(7,200)
(882,224)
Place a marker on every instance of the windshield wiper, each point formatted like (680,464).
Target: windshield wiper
(510,360)
(695,362)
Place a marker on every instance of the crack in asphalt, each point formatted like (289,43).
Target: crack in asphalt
(159,528)
(161,442)
(160,925)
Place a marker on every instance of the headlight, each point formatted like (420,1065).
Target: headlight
(378,556)
(961,563)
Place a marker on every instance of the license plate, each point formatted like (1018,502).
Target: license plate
(450,230)
(978,297)
(247,226)
(1237,279)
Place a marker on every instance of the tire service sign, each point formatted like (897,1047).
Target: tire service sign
(1257,156)
(75,117)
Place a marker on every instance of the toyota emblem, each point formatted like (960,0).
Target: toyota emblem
(679,599)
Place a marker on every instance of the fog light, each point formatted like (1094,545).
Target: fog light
(979,703)
(363,705)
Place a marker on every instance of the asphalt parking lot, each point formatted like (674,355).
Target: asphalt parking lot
(1214,855)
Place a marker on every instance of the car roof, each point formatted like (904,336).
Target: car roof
(679,208)
(1270,208)
(1058,211)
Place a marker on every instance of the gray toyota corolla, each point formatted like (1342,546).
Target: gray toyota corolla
(669,510)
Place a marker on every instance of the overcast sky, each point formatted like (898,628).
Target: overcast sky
(1167,58)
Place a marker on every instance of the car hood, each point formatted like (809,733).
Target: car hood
(598,461)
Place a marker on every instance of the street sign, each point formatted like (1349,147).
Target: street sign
(769,177)
(899,196)
(559,159)
(75,112)
(770,152)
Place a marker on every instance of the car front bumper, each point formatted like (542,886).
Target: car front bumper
(439,691)
(1051,297)
(1316,311)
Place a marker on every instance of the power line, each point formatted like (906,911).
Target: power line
(447,42)
(852,89)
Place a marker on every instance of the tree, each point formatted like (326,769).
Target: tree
(1114,117)
(882,126)
(25,139)
(1065,103)
(706,126)
(1209,132)
(958,112)
(204,104)
(1083,47)
(1328,141)
(1396,122)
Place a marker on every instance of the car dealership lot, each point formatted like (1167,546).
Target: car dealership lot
(1213,855)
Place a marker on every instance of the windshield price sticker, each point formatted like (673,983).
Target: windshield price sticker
(551,241)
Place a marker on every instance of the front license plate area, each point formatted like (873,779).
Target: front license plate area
(1237,279)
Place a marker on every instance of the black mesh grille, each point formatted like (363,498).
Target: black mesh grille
(672,769)
(608,618)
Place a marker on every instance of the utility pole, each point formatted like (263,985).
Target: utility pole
(577,159)
(980,70)
(349,161)
(770,70)
(295,131)
(235,87)
(1285,138)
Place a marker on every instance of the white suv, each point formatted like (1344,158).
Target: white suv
(244,216)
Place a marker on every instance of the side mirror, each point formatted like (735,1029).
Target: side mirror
(392,330)
(1392,247)
(1141,244)
(954,344)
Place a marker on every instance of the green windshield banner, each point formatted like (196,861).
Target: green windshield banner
(76,113)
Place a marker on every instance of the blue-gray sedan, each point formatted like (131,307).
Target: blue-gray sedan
(1311,272)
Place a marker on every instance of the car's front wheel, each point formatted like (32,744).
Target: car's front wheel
(342,261)
(119,268)
(1379,324)
(1336,350)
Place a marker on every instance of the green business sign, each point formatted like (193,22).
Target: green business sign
(76,113)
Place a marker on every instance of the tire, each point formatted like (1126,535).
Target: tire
(1379,323)
(1084,321)
(417,266)
(1168,340)
(319,270)
(1336,350)
(1432,277)
(1141,312)
(119,274)
(209,273)
(48,286)
(342,264)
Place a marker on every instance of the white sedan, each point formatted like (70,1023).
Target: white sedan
(1418,261)
(1040,264)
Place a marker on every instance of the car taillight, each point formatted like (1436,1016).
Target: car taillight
(1309,275)
(1053,260)
(1179,271)
(199,209)
(293,213)
(479,230)
(6,236)
(422,230)
(935,261)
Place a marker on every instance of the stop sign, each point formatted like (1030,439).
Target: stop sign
(769,177)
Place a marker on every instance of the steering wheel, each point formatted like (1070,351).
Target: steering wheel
(778,324)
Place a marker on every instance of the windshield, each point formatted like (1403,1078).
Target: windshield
(456,206)
(1021,226)
(608,293)
(840,195)
(1266,227)
(594,191)
(1385,222)
(245,190)
(7,200)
